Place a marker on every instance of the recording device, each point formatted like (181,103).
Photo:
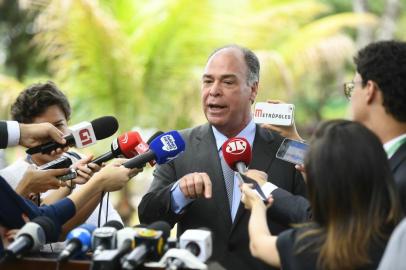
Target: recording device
(292,151)
(238,155)
(198,242)
(105,237)
(72,174)
(274,114)
(77,242)
(32,236)
(82,135)
(162,149)
(150,244)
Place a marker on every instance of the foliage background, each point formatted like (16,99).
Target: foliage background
(141,60)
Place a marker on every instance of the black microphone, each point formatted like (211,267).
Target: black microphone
(82,135)
(32,236)
(150,244)
(105,237)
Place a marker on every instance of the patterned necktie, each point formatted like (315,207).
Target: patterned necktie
(228,174)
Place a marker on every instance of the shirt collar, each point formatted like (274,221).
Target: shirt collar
(392,142)
(248,133)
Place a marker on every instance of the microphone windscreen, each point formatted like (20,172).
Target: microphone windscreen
(162,226)
(50,229)
(156,134)
(236,150)
(104,127)
(167,146)
(115,224)
(128,142)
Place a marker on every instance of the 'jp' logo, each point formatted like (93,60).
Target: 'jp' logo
(236,147)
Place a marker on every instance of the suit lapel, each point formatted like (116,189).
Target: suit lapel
(207,145)
(397,158)
(262,157)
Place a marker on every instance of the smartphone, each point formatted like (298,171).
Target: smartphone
(292,151)
(274,114)
(59,163)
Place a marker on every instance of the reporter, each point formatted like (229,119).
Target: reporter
(355,206)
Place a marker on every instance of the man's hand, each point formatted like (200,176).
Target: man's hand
(35,134)
(194,185)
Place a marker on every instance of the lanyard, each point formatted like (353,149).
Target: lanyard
(392,150)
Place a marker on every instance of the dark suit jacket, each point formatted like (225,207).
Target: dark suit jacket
(398,167)
(231,241)
(3,135)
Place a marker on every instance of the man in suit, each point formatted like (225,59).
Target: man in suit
(378,100)
(197,189)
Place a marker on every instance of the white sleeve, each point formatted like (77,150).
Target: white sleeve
(13,129)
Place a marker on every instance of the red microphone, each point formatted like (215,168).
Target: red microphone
(126,145)
(237,154)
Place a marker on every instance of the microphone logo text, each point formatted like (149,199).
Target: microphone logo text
(168,143)
(236,147)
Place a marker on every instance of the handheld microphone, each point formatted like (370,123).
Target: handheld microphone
(32,236)
(59,163)
(238,155)
(125,145)
(105,237)
(82,135)
(198,242)
(150,243)
(78,241)
(162,149)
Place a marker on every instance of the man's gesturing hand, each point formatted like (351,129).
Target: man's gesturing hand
(194,185)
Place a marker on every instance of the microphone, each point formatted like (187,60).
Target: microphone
(124,145)
(105,237)
(78,241)
(82,135)
(32,236)
(110,259)
(238,155)
(162,149)
(198,242)
(59,163)
(150,244)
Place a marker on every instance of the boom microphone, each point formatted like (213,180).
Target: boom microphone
(82,135)
(162,149)
(32,236)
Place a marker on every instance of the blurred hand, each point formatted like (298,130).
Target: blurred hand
(35,134)
(85,170)
(195,185)
(285,131)
(250,198)
(301,169)
(259,176)
(37,181)
(114,176)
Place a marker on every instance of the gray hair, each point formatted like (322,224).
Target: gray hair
(251,60)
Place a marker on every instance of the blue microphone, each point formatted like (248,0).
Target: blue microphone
(78,241)
(162,149)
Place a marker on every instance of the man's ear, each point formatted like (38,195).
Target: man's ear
(254,92)
(371,91)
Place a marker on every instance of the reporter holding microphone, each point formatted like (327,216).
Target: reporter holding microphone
(355,205)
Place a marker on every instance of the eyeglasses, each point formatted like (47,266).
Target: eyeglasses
(349,88)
